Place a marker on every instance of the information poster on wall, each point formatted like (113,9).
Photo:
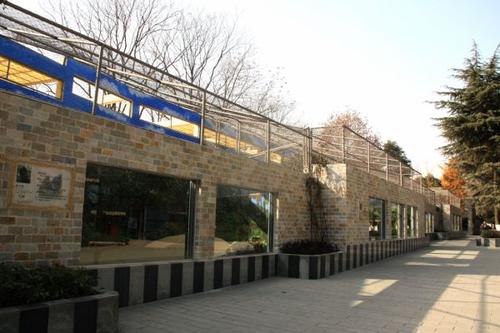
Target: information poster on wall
(41,186)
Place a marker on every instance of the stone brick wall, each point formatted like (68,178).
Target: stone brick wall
(35,131)
(346,193)
(448,212)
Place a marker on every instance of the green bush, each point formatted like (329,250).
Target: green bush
(308,247)
(20,285)
(490,233)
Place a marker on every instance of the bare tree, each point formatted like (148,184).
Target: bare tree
(269,98)
(355,121)
(127,25)
(204,49)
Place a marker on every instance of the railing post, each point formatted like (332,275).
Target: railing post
(368,156)
(386,166)
(305,150)
(268,142)
(203,113)
(310,155)
(97,79)
(238,139)
(343,144)
(217,132)
(400,174)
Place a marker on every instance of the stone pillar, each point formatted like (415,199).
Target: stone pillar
(204,232)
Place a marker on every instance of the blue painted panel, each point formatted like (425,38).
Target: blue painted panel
(30,58)
(73,68)
(80,70)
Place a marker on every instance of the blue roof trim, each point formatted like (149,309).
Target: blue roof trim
(74,68)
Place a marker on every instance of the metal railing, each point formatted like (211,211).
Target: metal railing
(341,144)
(224,124)
(446,197)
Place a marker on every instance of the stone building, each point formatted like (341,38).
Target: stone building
(129,174)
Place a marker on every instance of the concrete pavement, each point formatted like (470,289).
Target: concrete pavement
(451,286)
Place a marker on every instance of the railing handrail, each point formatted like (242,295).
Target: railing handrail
(143,63)
(70,46)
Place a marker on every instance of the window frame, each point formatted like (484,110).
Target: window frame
(58,94)
(271,214)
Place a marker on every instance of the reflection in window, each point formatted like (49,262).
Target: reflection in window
(395,221)
(414,222)
(133,216)
(411,221)
(163,119)
(402,220)
(30,78)
(429,223)
(376,212)
(456,222)
(105,98)
(243,221)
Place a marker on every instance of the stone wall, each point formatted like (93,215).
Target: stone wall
(36,131)
(346,195)
(449,211)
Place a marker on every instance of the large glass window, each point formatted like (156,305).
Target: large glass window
(456,222)
(395,221)
(134,216)
(402,223)
(244,221)
(411,221)
(415,222)
(376,228)
(429,223)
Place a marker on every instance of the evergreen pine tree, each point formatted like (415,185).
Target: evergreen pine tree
(394,149)
(472,128)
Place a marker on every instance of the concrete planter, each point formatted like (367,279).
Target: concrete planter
(310,267)
(97,313)
(432,236)
(319,266)
(150,281)
(447,235)
(489,242)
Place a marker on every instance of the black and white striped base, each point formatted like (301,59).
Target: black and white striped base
(354,255)
(97,313)
(146,282)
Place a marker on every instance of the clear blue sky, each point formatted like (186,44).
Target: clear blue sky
(383,58)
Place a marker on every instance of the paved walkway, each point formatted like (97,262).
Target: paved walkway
(452,286)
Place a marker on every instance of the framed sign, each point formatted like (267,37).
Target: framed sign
(40,185)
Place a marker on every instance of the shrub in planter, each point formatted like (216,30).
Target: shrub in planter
(20,285)
(490,233)
(485,226)
(308,247)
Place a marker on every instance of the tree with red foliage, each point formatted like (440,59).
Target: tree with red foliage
(452,181)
